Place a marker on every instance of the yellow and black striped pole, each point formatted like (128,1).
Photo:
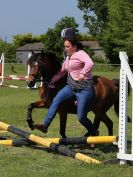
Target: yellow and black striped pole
(63,141)
(85,140)
(17,142)
(56,147)
(3,131)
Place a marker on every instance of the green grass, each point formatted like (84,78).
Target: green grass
(37,161)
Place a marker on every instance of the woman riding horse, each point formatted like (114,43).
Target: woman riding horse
(45,65)
(78,66)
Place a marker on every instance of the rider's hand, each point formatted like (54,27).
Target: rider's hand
(51,84)
(81,77)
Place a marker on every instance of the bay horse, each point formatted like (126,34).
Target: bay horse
(46,64)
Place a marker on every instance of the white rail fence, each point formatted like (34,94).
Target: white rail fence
(12,77)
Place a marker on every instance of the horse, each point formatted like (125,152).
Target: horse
(44,66)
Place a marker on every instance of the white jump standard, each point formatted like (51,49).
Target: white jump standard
(125,76)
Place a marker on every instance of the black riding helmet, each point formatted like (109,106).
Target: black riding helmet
(68,33)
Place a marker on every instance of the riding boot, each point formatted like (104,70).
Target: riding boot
(41,127)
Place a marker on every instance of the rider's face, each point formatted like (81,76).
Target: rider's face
(69,48)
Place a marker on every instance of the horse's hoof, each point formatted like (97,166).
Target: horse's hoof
(63,136)
(2,138)
(96,133)
(32,127)
(31,124)
(87,134)
(41,127)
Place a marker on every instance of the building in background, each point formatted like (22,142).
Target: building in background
(95,47)
(22,53)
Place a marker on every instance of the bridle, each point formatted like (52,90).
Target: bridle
(39,71)
(40,75)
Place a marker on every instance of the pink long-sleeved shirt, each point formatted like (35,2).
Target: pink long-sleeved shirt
(78,63)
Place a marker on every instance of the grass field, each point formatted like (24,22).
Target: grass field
(38,161)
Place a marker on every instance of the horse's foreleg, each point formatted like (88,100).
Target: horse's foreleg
(29,116)
(63,121)
(96,122)
(39,104)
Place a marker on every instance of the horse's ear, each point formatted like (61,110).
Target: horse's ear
(32,52)
(42,53)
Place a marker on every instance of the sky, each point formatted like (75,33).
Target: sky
(35,16)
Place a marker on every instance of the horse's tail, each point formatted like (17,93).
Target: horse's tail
(116,102)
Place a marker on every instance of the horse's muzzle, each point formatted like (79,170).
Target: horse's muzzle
(30,83)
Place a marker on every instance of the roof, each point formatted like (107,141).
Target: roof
(29,47)
(91,44)
(39,46)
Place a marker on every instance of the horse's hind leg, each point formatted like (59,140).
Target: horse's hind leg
(105,119)
(96,122)
(63,121)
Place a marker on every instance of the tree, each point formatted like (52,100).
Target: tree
(118,34)
(95,15)
(9,51)
(111,22)
(22,39)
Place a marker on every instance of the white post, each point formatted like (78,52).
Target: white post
(123,112)
(125,76)
(2,61)
(132,126)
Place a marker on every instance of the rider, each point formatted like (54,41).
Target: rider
(78,66)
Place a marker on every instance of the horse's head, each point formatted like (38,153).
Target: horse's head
(34,74)
(42,67)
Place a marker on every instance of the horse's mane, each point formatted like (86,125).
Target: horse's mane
(53,58)
(50,55)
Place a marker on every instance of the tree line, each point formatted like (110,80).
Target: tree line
(108,22)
